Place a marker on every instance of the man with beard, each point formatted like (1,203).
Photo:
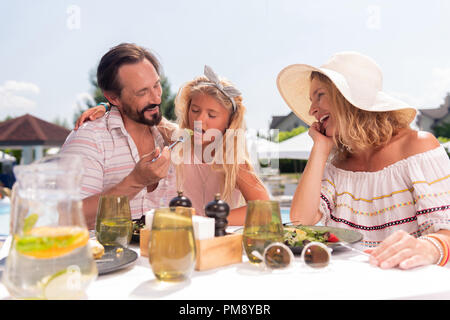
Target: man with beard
(118,148)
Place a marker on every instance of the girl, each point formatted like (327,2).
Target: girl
(368,170)
(212,108)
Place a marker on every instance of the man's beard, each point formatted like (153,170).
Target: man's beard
(139,116)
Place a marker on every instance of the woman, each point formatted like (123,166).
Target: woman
(368,170)
(212,108)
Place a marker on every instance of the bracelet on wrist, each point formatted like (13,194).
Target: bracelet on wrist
(106,105)
(441,246)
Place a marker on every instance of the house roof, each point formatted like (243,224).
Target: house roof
(440,112)
(276,120)
(29,130)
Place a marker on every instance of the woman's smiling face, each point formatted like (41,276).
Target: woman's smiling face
(321,106)
(210,112)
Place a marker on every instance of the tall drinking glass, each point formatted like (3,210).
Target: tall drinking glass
(262,227)
(49,257)
(172,245)
(113,225)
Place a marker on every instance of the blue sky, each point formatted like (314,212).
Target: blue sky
(48,47)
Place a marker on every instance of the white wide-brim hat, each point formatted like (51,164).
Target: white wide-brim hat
(357,77)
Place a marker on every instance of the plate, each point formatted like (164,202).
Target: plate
(346,235)
(113,260)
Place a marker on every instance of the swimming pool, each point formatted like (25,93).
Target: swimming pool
(285,215)
(4,217)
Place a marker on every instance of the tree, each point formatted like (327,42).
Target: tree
(167,98)
(442,130)
(284,135)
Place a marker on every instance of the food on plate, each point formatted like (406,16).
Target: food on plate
(299,236)
(97,249)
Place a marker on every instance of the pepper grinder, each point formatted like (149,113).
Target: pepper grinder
(180,201)
(219,210)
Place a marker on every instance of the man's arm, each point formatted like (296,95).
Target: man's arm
(86,143)
(145,174)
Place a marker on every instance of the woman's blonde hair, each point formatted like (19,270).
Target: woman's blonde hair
(357,129)
(202,85)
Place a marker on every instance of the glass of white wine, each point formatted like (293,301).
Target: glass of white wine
(114,226)
(172,245)
(262,227)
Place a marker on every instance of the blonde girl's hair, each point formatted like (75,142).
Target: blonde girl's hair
(357,129)
(230,170)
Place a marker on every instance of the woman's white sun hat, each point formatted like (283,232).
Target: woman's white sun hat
(358,78)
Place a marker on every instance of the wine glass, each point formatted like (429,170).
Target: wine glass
(113,225)
(262,227)
(172,245)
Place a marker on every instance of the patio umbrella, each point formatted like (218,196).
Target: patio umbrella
(298,147)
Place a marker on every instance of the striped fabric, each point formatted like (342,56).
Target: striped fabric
(412,195)
(109,155)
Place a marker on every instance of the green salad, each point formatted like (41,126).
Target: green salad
(299,236)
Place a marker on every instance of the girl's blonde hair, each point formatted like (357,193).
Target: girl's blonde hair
(357,129)
(201,85)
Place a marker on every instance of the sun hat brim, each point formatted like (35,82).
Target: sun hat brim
(293,83)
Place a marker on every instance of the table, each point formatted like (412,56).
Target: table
(349,276)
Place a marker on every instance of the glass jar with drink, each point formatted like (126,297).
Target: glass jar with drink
(50,257)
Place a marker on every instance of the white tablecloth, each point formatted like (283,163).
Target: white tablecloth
(349,276)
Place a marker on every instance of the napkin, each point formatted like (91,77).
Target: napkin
(203,226)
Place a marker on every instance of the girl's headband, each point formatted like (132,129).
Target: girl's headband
(229,91)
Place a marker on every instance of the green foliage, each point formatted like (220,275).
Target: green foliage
(442,130)
(167,100)
(8,117)
(444,140)
(284,135)
(292,165)
(17,153)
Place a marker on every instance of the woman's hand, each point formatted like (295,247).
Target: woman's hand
(403,250)
(322,141)
(90,115)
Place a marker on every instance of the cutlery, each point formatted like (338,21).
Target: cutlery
(346,245)
(181,139)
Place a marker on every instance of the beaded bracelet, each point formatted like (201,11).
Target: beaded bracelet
(438,245)
(445,247)
(105,105)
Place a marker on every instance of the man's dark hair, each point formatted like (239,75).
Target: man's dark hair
(124,53)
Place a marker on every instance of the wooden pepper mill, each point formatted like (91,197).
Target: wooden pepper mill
(180,201)
(219,210)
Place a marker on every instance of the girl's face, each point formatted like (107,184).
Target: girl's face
(210,113)
(321,107)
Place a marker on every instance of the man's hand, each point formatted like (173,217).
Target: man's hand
(148,173)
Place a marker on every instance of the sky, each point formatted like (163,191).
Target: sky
(49,47)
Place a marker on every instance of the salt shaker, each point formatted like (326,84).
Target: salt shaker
(219,210)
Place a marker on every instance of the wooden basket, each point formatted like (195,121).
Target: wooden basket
(211,253)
